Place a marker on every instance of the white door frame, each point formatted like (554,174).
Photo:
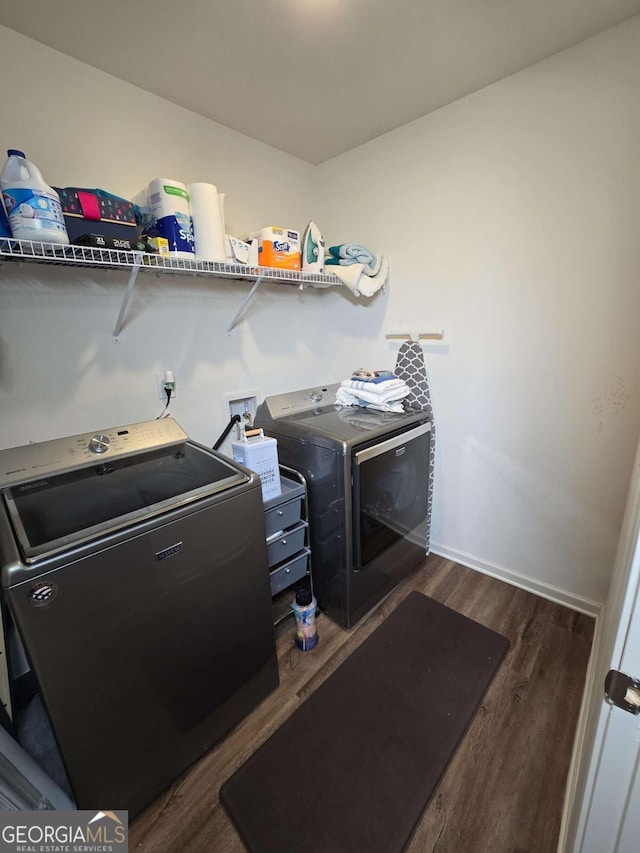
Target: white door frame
(589,799)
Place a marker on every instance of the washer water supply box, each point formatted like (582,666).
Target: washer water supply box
(260,454)
(97,212)
(278,247)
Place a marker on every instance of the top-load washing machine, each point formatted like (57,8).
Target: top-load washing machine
(134,568)
(368,479)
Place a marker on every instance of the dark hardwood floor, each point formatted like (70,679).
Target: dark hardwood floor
(503,791)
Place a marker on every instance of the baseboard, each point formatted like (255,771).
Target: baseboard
(537,587)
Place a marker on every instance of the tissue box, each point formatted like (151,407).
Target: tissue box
(97,212)
(278,247)
(260,454)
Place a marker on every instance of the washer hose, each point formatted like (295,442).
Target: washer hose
(234,420)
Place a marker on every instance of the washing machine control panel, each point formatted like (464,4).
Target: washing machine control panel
(45,458)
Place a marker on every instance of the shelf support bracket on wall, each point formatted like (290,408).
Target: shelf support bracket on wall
(248,299)
(127,296)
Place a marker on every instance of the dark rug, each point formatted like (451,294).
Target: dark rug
(352,770)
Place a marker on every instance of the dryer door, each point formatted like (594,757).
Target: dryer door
(390,490)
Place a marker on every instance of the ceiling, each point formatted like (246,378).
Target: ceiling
(313,78)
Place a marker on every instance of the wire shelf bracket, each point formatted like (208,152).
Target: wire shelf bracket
(133,275)
(114,259)
(247,300)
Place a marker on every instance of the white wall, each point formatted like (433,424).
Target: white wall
(60,372)
(511,219)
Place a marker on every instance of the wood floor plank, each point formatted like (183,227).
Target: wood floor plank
(503,790)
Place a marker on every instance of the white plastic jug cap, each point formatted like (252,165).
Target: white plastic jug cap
(13,152)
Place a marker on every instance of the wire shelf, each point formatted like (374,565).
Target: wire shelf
(91,257)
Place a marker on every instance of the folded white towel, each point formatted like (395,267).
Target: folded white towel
(356,397)
(396,393)
(349,276)
(370,284)
(378,388)
(358,282)
(344,398)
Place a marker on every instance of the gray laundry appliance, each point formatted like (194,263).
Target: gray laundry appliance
(368,478)
(134,572)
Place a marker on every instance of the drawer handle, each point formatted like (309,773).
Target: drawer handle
(287,571)
(280,512)
(284,541)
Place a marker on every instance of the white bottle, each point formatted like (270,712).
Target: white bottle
(32,206)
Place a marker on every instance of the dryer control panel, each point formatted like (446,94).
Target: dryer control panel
(284,405)
(44,458)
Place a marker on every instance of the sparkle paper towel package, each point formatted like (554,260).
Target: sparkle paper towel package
(260,454)
(167,203)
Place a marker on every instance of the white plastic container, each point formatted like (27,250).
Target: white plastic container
(260,454)
(33,207)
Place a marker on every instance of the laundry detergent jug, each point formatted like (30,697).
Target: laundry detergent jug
(32,206)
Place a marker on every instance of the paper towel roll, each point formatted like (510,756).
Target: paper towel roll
(221,203)
(208,224)
(169,203)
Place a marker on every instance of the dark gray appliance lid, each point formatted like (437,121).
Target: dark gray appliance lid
(311,415)
(55,513)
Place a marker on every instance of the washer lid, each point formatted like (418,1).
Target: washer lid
(51,514)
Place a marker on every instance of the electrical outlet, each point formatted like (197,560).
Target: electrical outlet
(162,381)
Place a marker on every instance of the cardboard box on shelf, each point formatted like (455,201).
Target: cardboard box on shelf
(94,211)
